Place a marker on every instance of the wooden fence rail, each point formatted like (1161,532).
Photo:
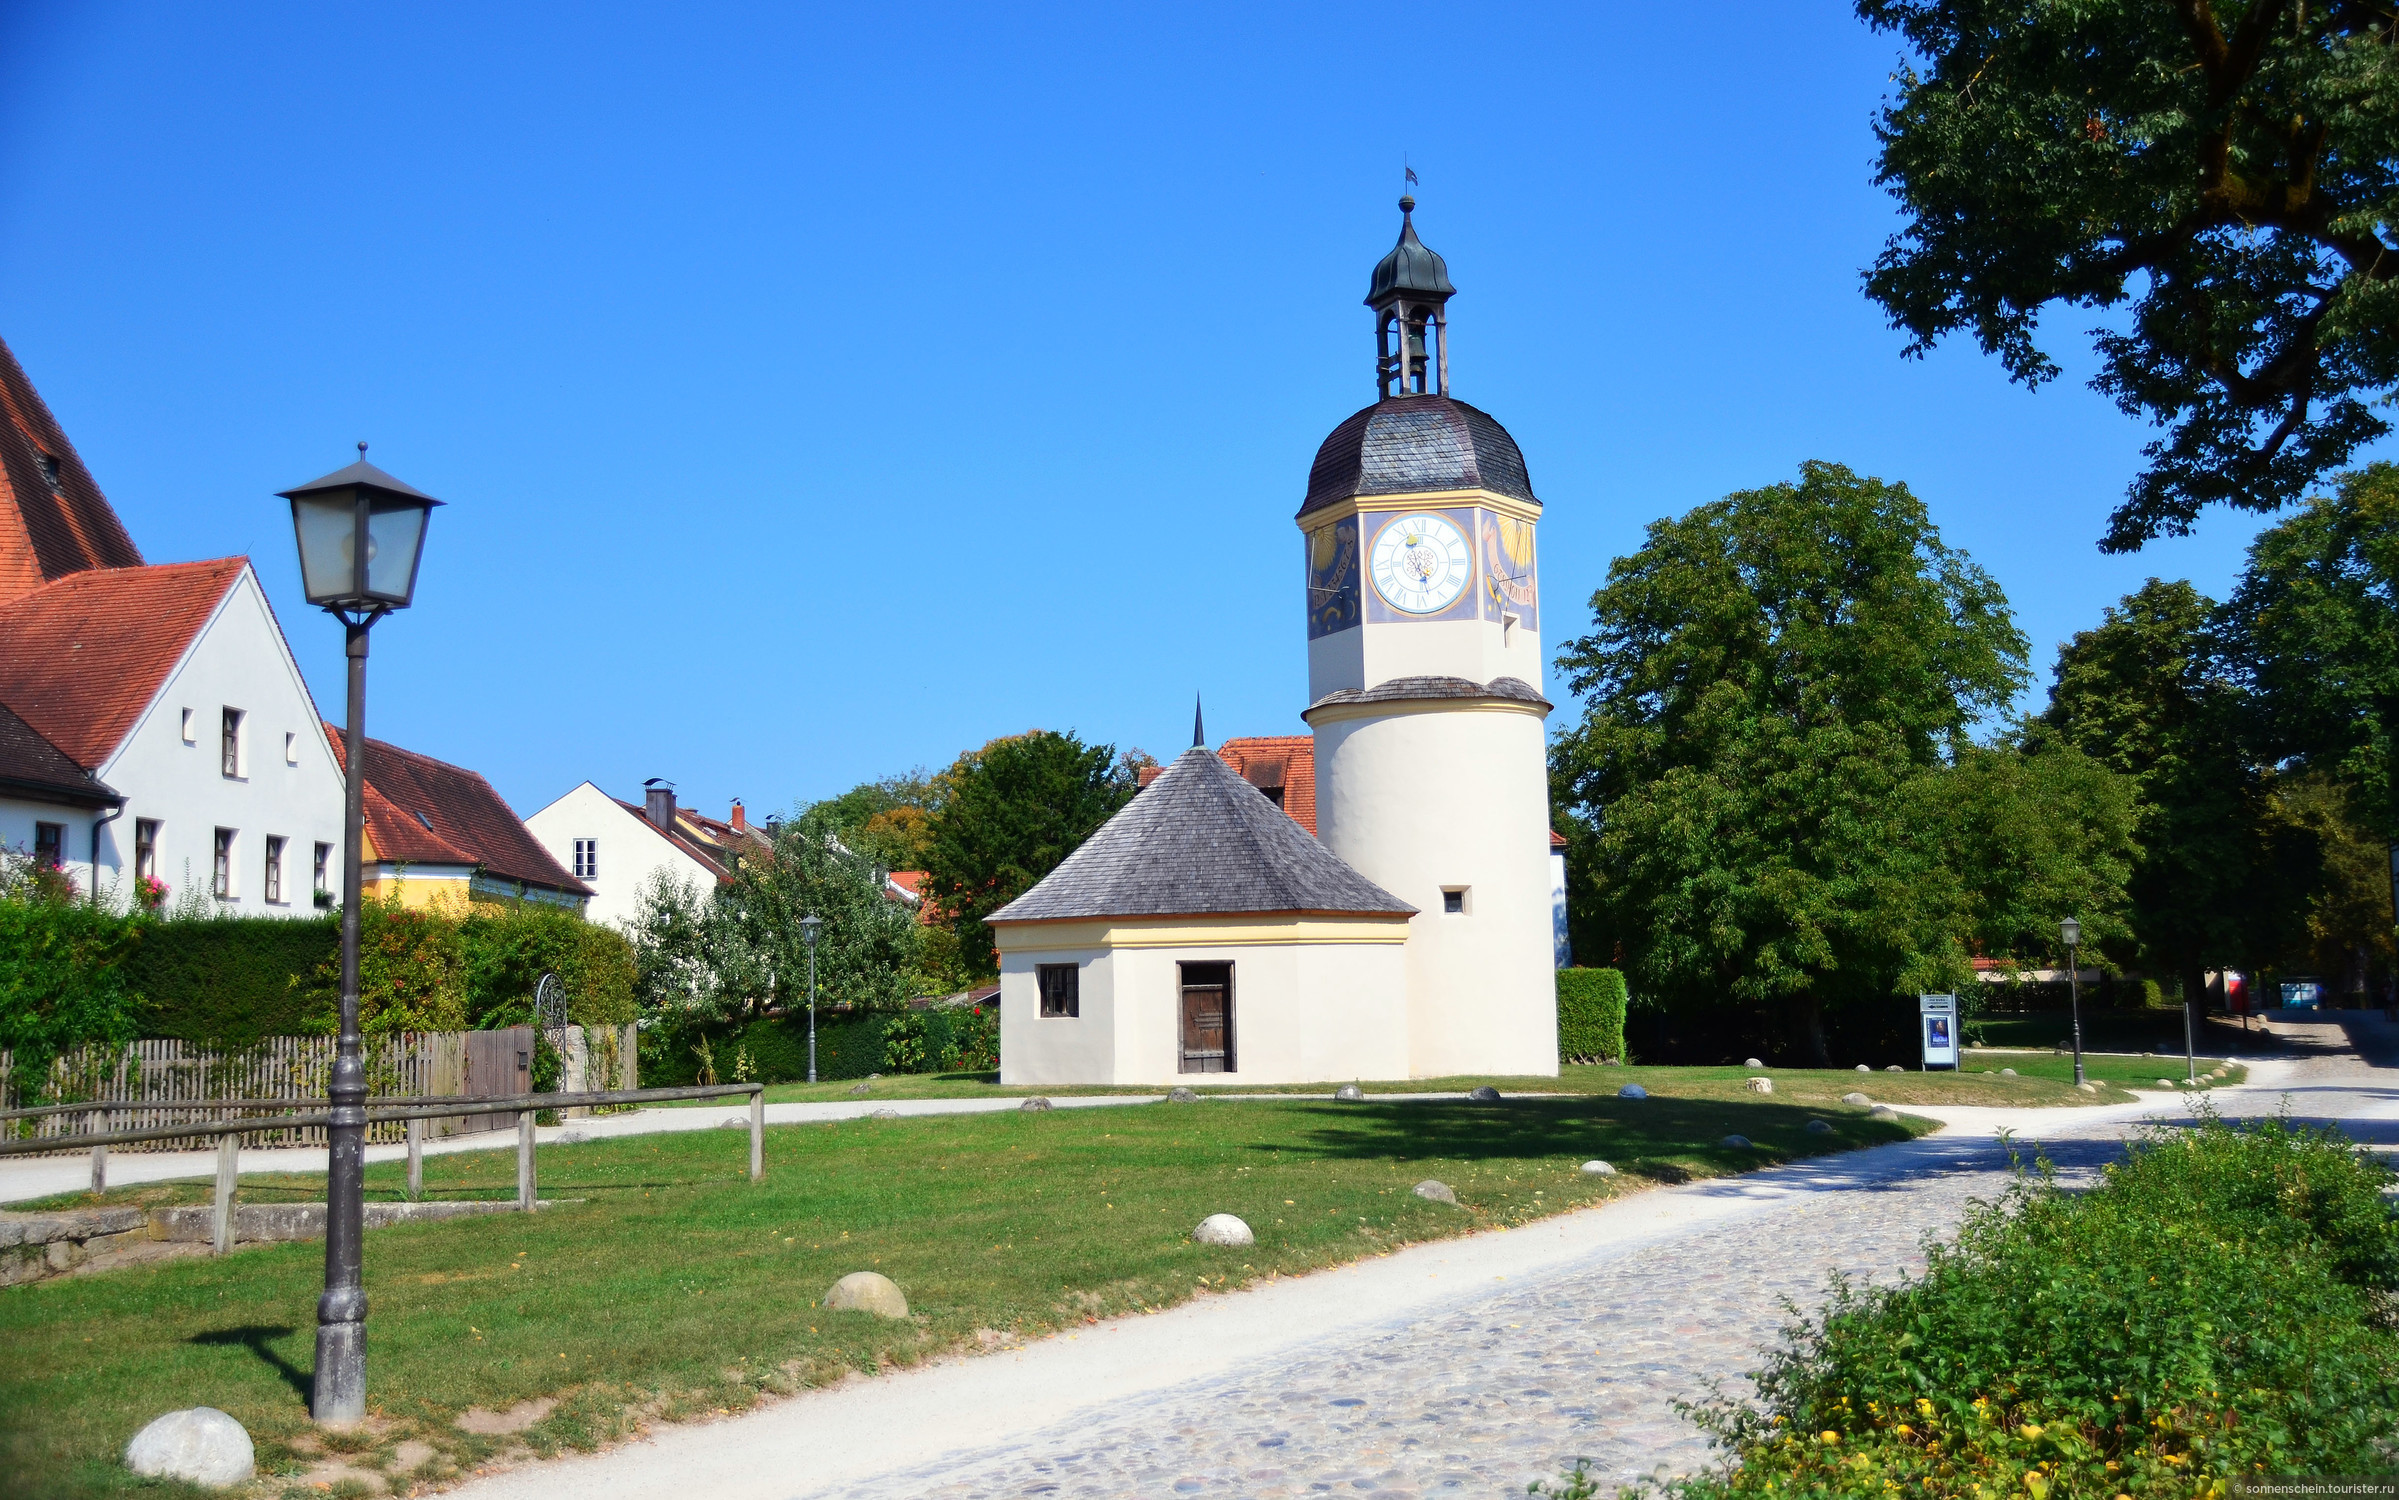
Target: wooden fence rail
(157,1081)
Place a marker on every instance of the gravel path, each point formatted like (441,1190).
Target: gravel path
(1469,1367)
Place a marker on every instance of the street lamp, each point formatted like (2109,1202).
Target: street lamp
(2071,931)
(808,926)
(361,533)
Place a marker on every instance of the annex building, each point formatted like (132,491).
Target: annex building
(1411,933)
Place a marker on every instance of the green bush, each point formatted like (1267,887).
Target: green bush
(947,1040)
(848,1045)
(62,985)
(507,946)
(228,981)
(1591,1006)
(2218,1306)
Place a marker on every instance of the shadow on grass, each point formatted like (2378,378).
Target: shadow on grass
(255,1337)
(1655,1130)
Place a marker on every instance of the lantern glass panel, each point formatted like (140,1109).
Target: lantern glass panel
(2071,931)
(393,537)
(327,525)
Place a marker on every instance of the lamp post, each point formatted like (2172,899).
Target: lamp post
(361,533)
(808,926)
(2071,931)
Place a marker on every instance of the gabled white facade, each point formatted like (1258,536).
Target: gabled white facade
(627,847)
(170,770)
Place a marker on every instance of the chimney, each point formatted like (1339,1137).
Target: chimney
(740,820)
(658,800)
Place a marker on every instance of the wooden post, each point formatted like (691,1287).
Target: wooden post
(99,1124)
(758,1135)
(416,1160)
(229,1148)
(524,1163)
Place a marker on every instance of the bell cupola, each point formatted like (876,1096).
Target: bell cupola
(1411,331)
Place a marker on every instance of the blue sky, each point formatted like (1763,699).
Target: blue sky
(819,393)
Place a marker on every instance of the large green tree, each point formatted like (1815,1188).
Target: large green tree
(1771,679)
(2220,881)
(1006,815)
(2224,172)
(2313,628)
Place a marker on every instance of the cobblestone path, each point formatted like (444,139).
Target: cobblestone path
(1510,1384)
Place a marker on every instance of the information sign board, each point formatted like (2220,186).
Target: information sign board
(1938,1021)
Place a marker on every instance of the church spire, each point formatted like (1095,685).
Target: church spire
(1409,293)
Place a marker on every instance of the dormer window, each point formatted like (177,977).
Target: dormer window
(48,464)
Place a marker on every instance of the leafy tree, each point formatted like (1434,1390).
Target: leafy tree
(867,948)
(1006,815)
(411,972)
(2228,168)
(1771,681)
(2313,629)
(508,946)
(2348,911)
(887,821)
(2036,835)
(2218,882)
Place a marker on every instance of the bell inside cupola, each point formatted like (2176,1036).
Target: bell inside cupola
(1409,295)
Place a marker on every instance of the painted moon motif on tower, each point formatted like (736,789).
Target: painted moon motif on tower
(1421,563)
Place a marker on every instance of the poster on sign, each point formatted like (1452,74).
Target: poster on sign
(1939,1014)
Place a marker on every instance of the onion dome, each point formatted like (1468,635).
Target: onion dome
(1410,269)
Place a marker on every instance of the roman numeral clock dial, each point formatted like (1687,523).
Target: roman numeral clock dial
(1421,563)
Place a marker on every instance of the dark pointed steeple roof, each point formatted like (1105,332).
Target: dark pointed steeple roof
(53,518)
(1410,267)
(1200,841)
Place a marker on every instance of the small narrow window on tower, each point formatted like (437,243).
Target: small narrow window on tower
(1453,900)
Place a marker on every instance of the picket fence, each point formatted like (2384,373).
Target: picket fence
(404,1064)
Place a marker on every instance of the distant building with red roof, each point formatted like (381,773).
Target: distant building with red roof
(436,833)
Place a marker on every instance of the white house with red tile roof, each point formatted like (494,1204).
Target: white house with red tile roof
(171,685)
(617,849)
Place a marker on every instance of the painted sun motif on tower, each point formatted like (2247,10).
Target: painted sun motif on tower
(1509,584)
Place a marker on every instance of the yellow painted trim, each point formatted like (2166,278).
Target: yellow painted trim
(1339,713)
(1342,510)
(1232,931)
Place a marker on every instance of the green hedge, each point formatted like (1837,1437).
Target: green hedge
(1591,1006)
(231,981)
(847,1046)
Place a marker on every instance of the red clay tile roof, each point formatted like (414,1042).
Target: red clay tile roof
(1279,760)
(53,518)
(426,811)
(681,838)
(82,657)
(1557,840)
(32,767)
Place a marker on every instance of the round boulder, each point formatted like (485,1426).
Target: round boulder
(1349,1093)
(1855,1098)
(1483,1094)
(1751,1062)
(1435,1192)
(1736,1142)
(1895,1068)
(1223,1229)
(2165,1083)
(867,1291)
(1820,1127)
(862,1088)
(2007,1072)
(1632,1091)
(1037,1102)
(1864,1069)
(1598,1169)
(1882,1112)
(1759,1085)
(2087,1088)
(200,1446)
(883,1114)
(1180,1095)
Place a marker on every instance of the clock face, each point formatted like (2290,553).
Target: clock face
(1421,563)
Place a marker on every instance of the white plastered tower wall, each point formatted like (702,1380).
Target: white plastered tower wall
(1432,796)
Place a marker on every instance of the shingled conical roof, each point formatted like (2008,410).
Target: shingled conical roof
(1200,841)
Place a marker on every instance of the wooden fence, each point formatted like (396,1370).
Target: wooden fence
(400,1065)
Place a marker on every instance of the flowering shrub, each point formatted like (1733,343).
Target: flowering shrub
(2220,1306)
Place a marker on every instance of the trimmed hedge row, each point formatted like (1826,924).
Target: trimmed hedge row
(1591,1006)
(847,1046)
(229,982)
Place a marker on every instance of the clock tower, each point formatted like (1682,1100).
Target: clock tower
(1424,681)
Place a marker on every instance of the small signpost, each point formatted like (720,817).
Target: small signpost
(1938,1018)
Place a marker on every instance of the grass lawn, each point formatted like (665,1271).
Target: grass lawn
(677,1288)
(1803,1085)
(2140,1072)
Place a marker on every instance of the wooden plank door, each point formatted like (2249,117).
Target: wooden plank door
(498,1064)
(1207,1004)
